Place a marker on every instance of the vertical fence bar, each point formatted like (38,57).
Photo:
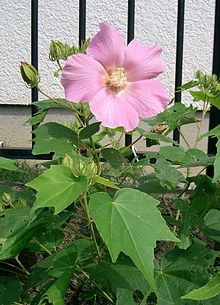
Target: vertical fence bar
(179,56)
(34,53)
(214,118)
(82,21)
(130,36)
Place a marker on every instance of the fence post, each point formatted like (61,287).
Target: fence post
(34,56)
(179,58)
(130,36)
(214,118)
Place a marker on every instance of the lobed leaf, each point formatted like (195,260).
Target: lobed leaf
(210,290)
(57,188)
(54,137)
(130,223)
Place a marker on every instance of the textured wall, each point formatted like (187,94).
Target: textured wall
(155,21)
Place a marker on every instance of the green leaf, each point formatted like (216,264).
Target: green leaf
(89,131)
(21,229)
(176,155)
(37,118)
(56,292)
(206,95)
(211,225)
(57,188)
(188,85)
(131,223)
(150,184)
(217,164)
(53,103)
(10,290)
(157,137)
(54,137)
(198,95)
(125,296)
(210,290)
(51,239)
(123,274)
(9,164)
(215,132)
(174,117)
(105,182)
(53,274)
(199,158)
(169,176)
(113,156)
(180,271)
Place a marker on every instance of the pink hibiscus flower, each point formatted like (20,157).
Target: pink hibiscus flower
(117,80)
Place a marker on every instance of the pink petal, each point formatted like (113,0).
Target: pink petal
(82,77)
(142,62)
(148,97)
(113,110)
(107,47)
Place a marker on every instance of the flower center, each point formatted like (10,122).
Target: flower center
(116,79)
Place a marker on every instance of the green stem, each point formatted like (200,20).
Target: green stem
(13,266)
(42,246)
(204,111)
(21,265)
(91,226)
(95,155)
(14,272)
(184,138)
(59,65)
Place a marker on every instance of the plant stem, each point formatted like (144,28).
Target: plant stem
(184,138)
(13,266)
(91,226)
(199,125)
(21,265)
(14,272)
(176,218)
(95,155)
(42,246)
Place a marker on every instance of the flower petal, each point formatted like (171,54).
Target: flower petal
(82,77)
(142,62)
(107,47)
(148,97)
(113,110)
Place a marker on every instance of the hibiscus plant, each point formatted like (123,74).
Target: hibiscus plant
(103,224)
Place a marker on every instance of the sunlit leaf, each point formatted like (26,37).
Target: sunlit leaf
(130,223)
(57,188)
(210,290)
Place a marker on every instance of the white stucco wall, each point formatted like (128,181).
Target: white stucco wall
(155,21)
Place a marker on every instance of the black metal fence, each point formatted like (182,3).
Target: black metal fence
(24,153)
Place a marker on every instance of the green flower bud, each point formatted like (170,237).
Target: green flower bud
(29,74)
(68,161)
(57,50)
(6,198)
(81,166)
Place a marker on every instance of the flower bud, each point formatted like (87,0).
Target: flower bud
(68,161)
(80,166)
(57,50)
(29,74)
(6,198)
